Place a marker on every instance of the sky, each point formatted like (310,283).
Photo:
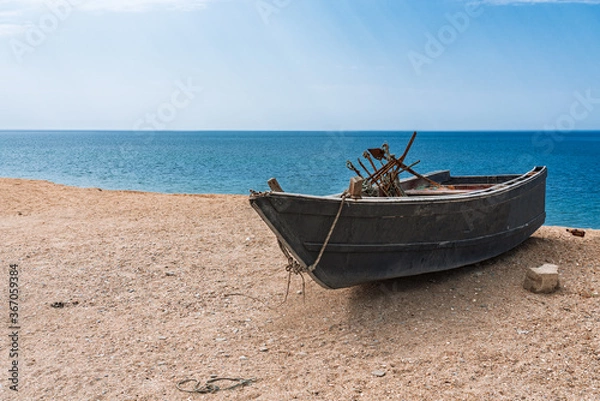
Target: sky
(300,65)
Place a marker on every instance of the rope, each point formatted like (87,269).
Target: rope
(294,267)
(210,388)
(337,217)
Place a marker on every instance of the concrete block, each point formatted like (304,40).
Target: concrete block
(543,279)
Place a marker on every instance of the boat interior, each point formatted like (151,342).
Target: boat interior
(448,185)
(379,176)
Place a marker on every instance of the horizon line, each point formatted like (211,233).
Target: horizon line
(293,130)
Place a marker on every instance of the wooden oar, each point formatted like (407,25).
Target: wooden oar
(413,172)
(412,139)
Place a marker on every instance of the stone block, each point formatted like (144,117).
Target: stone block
(543,279)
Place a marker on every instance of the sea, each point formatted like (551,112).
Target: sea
(314,162)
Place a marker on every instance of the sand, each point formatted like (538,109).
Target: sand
(124,294)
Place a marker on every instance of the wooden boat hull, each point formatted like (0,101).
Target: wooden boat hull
(382,238)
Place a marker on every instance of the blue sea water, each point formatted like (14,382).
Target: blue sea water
(305,162)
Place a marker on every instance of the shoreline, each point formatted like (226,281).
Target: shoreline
(163,287)
(210,195)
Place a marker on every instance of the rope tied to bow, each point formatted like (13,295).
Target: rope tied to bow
(294,267)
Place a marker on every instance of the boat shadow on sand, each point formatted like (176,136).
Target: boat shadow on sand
(474,289)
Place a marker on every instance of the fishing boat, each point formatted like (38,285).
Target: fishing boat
(384,227)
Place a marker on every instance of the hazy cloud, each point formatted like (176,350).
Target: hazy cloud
(532,2)
(16,15)
(11,29)
(16,7)
(142,5)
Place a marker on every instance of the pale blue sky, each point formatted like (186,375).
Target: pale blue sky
(300,64)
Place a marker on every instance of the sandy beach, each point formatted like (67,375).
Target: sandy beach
(124,294)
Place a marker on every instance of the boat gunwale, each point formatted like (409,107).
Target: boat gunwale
(498,188)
